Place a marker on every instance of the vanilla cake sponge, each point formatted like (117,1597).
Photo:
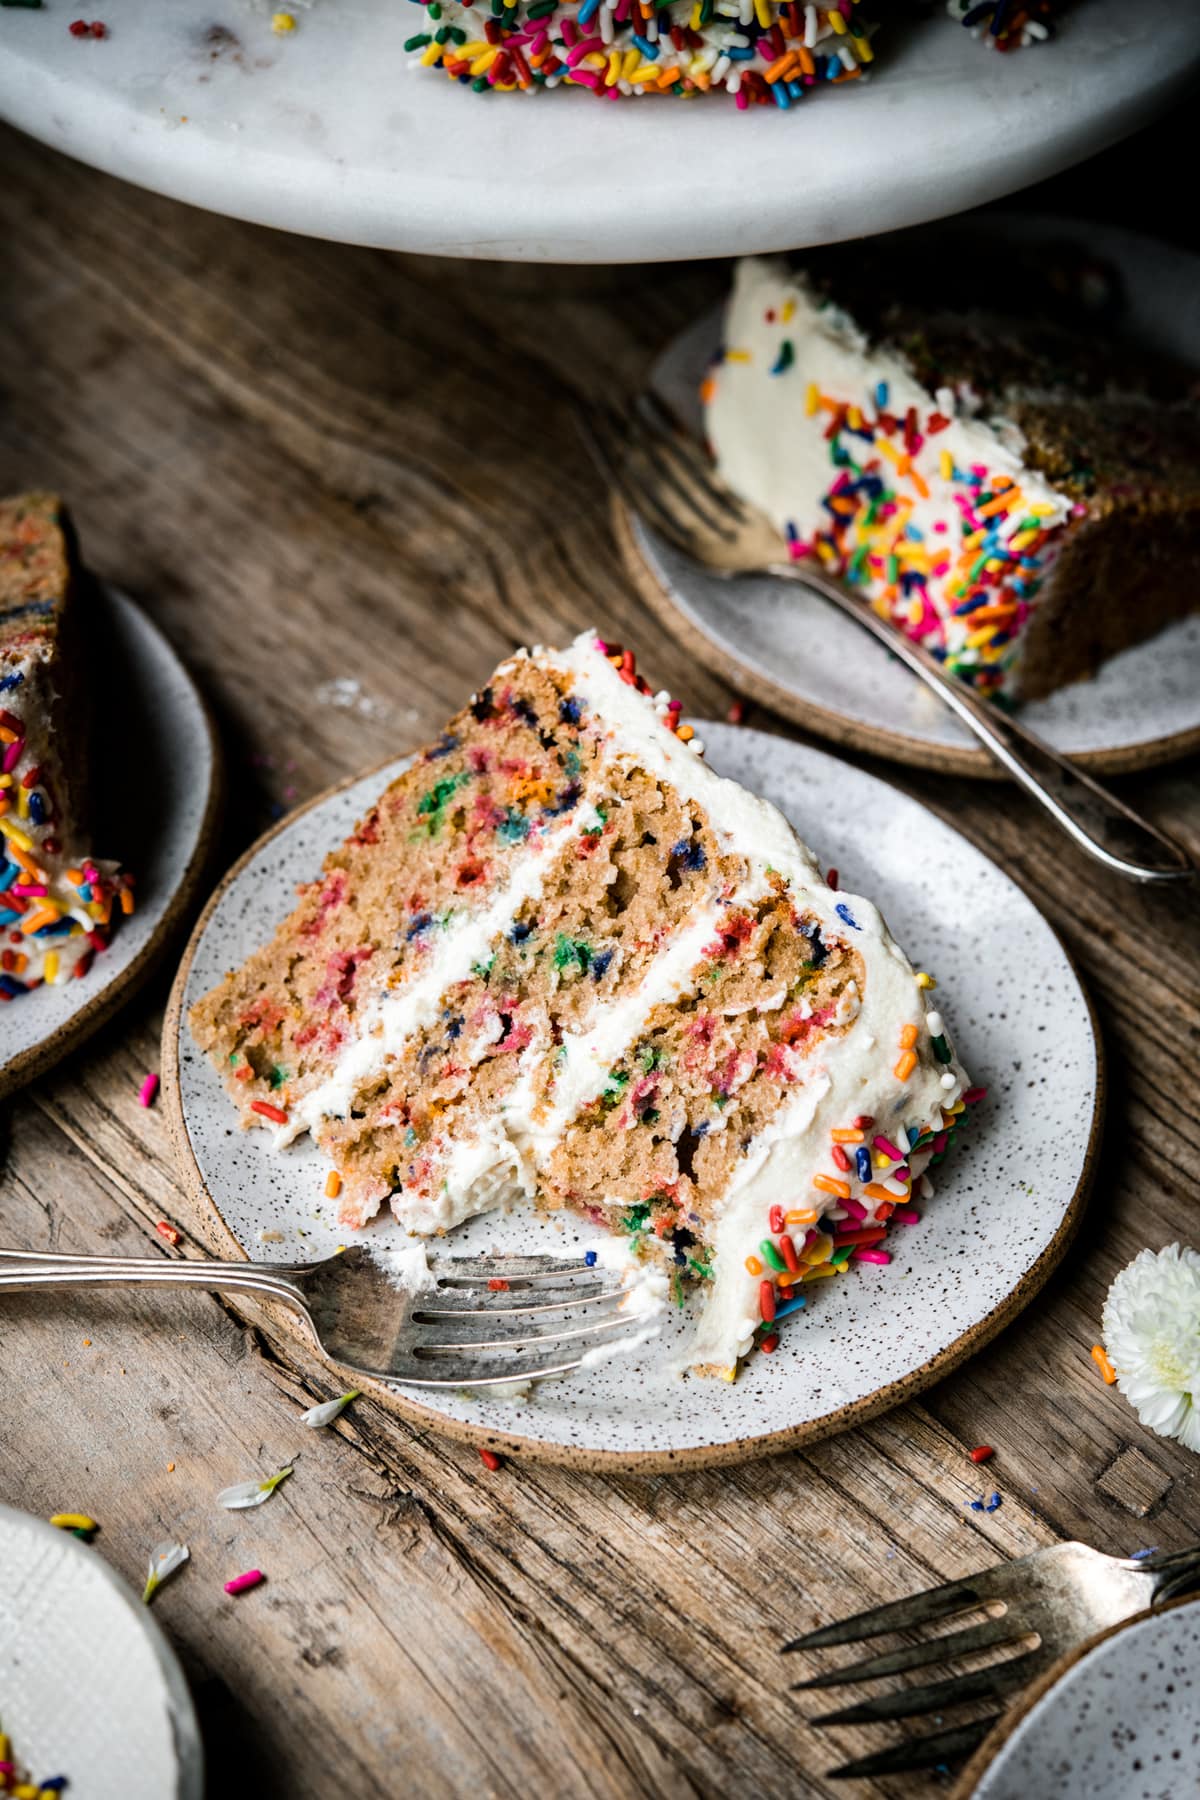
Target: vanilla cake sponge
(562,961)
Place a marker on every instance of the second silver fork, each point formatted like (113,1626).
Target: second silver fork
(665,477)
(1039,1607)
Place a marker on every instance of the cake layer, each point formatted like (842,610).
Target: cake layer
(56,900)
(1021,498)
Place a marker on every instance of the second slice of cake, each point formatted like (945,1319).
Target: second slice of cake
(1018,493)
(563,961)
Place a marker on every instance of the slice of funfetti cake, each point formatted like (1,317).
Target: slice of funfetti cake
(562,961)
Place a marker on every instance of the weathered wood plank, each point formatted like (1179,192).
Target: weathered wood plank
(324,466)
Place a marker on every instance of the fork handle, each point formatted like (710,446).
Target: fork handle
(21,1270)
(1094,818)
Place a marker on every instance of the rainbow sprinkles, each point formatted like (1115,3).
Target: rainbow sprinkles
(759,51)
(762,52)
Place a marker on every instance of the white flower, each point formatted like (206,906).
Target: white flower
(1151,1331)
(251,1493)
(329,1410)
(164,1560)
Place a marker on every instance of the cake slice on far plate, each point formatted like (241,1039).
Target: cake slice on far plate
(563,962)
(57,902)
(1017,491)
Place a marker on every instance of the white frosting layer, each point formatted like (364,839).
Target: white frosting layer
(407,1268)
(775,454)
(647,1298)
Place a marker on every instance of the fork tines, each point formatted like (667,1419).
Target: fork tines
(1006,1632)
(494,1318)
(917,1753)
(899,1615)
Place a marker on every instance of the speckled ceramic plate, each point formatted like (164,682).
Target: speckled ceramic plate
(89,1686)
(158,793)
(1007,1200)
(791,651)
(1118,1719)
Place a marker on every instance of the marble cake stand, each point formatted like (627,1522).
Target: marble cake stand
(329,131)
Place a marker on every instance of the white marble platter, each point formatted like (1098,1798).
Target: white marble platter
(330,131)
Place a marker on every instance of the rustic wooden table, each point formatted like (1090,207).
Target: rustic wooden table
(318,466)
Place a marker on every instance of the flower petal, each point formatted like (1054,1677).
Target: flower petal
(329,1410)
(251,1493)
(164,1560)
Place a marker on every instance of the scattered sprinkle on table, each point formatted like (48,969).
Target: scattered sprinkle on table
(981,1453)
(737,713)
(168,1231)
(80,28)
(490,1460)
(148,1090)
(282,22)
(68,1521)
(241,1584)
(1102,1363)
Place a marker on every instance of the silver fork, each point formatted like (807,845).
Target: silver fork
(1050,1602)
(666,478)
(542,1319)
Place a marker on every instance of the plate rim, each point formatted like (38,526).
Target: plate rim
(185,1727)
(982,1759)
(633,1462)
(36,1059)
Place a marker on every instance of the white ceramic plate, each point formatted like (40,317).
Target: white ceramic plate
(158,792)
(1007,1198)
(89,1686)
(1121,1723)
(819,669)
(329,131)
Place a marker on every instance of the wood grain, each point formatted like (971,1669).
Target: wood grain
(317,465)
